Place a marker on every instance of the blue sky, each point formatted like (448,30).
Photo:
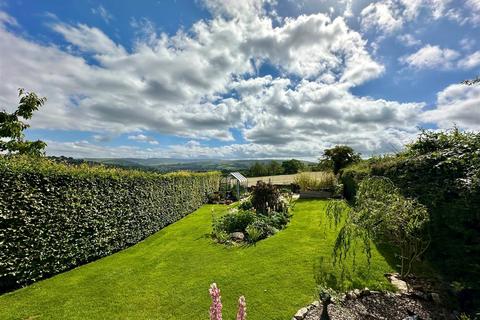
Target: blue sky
(240,79)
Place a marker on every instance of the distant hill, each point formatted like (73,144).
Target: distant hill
(169,164)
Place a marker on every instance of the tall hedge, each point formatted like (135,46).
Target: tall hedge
(55,216)
(442,171)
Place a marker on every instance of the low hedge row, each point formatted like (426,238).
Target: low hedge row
(55,216)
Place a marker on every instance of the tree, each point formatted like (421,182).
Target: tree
(274,168)
(339,157)
(292,166)
(257,170)
(12,138)
(381,213)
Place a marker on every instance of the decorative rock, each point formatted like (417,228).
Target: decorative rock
(237,236)
(301,314)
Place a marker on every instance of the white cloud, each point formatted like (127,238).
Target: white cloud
(470,61)
(380,15)
(143,138)
(409,40)
(389,16)
(457,104)
(182,85)
(89,39)
(429,57)
(103,13)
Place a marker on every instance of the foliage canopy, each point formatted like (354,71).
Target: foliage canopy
(12,138)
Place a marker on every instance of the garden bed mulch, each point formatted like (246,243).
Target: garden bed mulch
(417,298)
(386,306)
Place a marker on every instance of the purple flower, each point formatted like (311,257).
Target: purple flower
(242,309)
(216,307)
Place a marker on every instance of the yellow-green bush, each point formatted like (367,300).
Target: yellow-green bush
(55,216)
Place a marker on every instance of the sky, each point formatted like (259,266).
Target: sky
(239,79)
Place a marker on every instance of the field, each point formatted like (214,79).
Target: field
(167,276)
(281,179)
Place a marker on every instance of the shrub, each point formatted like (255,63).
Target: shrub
(319,181)
(54,216)
(245,205)
(279,219)
(234,221)
(266,198)
(254,234)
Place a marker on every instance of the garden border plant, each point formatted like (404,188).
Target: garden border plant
(54,216)
(256,218)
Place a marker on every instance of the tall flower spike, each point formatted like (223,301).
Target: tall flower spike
(242,309)
(216,307)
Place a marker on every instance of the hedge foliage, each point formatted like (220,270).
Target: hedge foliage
(442,171)
(55,216)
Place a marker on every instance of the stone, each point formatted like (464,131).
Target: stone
(401,285)
(316,303)
(357,292)
(436,298)
(237,236)
(365,292)
(351,295)
(301,314)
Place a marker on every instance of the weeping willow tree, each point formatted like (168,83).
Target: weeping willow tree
(381,214)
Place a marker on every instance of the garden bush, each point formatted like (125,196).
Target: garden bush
(235,221)
(266,198)
(54,216)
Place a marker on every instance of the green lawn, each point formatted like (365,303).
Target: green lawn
(167,276)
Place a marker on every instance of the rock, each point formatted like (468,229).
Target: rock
(420,295)
(351,295)
(301,314)
(316,303)
(237,236)
(401,285)
(436,298)
(365,292)
(357,292)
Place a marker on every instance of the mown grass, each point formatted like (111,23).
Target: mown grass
(167,276)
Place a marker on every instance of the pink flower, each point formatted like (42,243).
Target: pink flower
(216,307)
(242,309)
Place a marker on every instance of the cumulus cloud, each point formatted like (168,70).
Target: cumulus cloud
(429,57)
(389,16)
(203,84)
(143,138)
(409,40)
(380,15)
(470,61)
(456,105)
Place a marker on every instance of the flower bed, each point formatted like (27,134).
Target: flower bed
(262,215)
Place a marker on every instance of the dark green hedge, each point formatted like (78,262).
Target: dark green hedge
(54,216)
(351,176)
(442,171)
